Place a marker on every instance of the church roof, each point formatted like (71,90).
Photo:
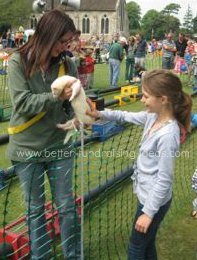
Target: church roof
(98,5)
(87,5)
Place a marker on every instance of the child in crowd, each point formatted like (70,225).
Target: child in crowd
(130,60)
(181,65)
(188,56)
(193,121)
(138,72)
(194,68)
(82,71)
(188,60)
(168,111)
(159,49)
(90,61)
(190,47)
(194,187)
(86,68)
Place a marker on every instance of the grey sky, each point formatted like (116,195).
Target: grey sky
(161,4)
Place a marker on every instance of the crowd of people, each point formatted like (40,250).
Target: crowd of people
(179,55)
(11,39)
(168,111)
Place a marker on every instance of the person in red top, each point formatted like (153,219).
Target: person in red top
(89,68)
(86,69)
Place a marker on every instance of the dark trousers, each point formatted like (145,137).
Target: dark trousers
(142,246)
(129,70)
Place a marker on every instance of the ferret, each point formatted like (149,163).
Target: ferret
(78,103)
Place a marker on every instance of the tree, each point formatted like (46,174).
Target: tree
(157,24)
(153,24)
(4,27)
(195,24)
(15,12)
(149,24)
(170,22)
(134,16)
(171,9)
(188,23)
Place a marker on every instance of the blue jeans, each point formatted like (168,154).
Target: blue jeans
(59,173)
(142,246)
(114,71)
(195,83)
(4,43)
(168,63)
(129,70)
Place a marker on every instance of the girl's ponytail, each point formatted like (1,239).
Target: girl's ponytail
(182,109)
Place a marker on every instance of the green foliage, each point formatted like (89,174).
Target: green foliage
(4,28)
(15,12)
(153,24)
(149,24)
(157,24)
(171,24)
(188,23)
(134,16)
(195,24)
(171,9)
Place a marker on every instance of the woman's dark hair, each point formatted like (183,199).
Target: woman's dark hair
(36,53)
(166,83)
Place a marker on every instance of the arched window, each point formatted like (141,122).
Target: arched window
(86,24)
(105,24)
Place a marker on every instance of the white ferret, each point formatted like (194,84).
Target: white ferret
(78,102)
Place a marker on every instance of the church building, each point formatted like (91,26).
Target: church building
(102,18)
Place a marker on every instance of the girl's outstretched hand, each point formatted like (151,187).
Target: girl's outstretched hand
(92,112)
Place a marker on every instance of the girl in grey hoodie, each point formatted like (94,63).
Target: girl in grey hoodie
(167,114)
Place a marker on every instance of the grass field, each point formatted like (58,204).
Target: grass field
(108,219)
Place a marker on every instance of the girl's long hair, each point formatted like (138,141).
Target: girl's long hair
(36,53)
(166,83)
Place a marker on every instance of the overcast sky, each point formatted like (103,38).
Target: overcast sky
(159,5)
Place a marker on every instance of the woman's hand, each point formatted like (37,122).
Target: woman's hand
(142,224)
(93,112)
(66,93)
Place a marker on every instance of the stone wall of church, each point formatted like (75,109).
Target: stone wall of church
(95,23)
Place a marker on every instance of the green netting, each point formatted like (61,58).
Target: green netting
(108,198)
(5,102)
(107,215)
